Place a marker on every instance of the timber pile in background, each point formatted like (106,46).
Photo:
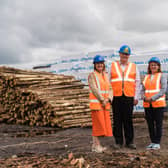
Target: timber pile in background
(43,99)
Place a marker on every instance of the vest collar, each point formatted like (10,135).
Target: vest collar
(123,64)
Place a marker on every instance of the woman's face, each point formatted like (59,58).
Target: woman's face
(99,66)
(154,67)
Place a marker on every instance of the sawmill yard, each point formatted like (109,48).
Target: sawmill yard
(26,147)
(45,122)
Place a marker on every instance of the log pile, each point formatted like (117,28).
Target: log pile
(43,99)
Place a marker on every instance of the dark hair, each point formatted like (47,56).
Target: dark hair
(103,67)
(159,70)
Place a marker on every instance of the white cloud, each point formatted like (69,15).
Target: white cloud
(36,31)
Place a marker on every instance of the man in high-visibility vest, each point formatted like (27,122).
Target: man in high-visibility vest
(125,82)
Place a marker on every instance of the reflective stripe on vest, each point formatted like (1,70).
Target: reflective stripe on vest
(152,87)
(103,87)
(123,82)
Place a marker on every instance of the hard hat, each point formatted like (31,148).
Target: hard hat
(125,49)
(98,58)
(154,59)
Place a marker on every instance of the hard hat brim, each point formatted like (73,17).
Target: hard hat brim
(98,62)
(154,61)
(123,53)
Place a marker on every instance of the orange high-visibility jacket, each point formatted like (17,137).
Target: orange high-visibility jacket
(153,87)
(102,83)
(123,82)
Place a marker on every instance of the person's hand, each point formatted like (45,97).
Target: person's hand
(105,102)
(147,99)
(135,102)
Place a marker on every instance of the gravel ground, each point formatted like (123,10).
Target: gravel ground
(26,147)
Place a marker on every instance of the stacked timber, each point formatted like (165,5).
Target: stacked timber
(43,99)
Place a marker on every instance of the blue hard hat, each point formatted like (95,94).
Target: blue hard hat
(98,58)
(154,59)
(125,49)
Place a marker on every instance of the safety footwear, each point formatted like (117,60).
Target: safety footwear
(131,146)
(117,146)
(150,146)
(103,148)
(156,146)
(98,148)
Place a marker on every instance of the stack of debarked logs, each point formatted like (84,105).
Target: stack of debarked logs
(44,99)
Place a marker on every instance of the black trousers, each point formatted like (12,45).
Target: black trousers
(154,118)
(122,107)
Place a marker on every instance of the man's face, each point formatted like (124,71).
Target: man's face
(124,57)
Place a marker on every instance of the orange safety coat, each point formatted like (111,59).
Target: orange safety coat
(153,87)
(123,82)
(101,122)
(102,84)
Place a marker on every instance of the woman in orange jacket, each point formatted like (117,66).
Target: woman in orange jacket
(100,97)
(154,88)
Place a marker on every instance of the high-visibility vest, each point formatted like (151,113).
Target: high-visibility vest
(153,87)
(123,82)
(102,84)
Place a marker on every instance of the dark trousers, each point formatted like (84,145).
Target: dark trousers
(154,118)
(122,107)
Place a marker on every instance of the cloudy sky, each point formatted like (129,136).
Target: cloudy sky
(34,31)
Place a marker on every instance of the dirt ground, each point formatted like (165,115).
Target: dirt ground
(27,147)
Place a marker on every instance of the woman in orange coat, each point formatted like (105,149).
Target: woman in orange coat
(100,97)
